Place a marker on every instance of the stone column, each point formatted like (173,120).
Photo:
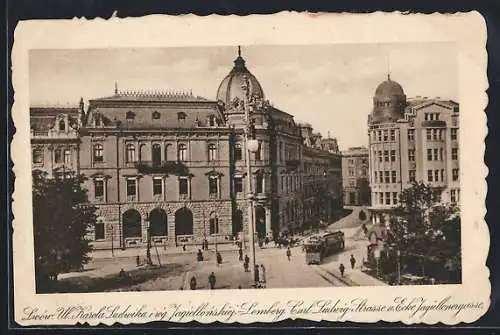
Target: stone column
(268,221)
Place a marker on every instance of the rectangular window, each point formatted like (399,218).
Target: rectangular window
(282,183)
(434,134)
(351,171)
(436,154)
(412,176)
(454,132)
(387,177)
(429,134)
(411,155)
(393,176)
(426,116)
(429,154)
(393,155)
(183,186)
(379,156)
(58,155)
(437,116)
(258,153)
(381,198)
(375,176)
(99,188)
(429,175)
(385,136)
(386,155)
(99,231)
(411,134)
(394,198)
(157,186)
(213,185)
(379,133)
(454,173)
(454,154)
(238,184)
(387,198)
(393,135)
(381,177)
(436,175)
(453,196)
(442,175)
(131,186)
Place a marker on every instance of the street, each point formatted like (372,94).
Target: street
(280,272)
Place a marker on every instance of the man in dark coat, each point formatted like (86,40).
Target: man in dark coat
(211,280)
(219,258)
(192,283)
(342,269)
(240,252)
(288,254)
(353,262)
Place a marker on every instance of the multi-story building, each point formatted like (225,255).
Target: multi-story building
(355,179)
(54,138)
(172,165)
(411,140)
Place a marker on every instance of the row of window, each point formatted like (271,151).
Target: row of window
(435,134)
(290,184)
(431,116)
(386,177)
(384,198)
(60,156)
(432,154)
(386,155)
(384,135)
(362,171)
(156,153)
(435,154)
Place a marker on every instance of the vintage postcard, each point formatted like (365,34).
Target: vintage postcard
(250,169)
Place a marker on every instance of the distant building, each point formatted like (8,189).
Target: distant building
(172,164)
(355,176)
(55,141)
(410,140)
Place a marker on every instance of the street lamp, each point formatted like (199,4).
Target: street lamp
(148,245)
(110,228)
(399,267)
(252,146)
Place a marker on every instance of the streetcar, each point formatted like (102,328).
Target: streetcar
(320,246)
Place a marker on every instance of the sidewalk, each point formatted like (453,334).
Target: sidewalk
(141,251)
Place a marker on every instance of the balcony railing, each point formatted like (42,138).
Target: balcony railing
(169,167)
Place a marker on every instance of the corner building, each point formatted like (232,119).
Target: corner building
(174,163)
(414,139)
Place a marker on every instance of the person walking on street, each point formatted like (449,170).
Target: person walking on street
(199,256)
(342,269)
(246,263)
(289,253)
(219,258)
(211,280)
(192,283)
(262,274)
(184,247)
(240,252)
(353,262)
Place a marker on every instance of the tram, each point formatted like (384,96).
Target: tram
(319,246)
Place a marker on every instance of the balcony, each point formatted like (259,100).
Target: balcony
(168,167)
(292,164)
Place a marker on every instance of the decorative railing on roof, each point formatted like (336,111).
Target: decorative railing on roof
(169,167)
(150,93)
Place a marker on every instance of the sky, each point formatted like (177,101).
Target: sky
(329,86)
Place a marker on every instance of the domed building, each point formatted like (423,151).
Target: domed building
(414,139)
(231,89)
(389,102)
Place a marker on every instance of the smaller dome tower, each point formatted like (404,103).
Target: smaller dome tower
(389,102)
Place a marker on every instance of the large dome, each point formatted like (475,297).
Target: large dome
(389,88)
(231,86)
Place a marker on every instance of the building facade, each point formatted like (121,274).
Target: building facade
(355,179)
(172,166)
(415,139)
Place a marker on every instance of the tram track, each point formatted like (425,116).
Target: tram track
(331,277)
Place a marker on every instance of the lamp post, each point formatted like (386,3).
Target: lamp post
(148,245)
(399,266)
(110,228)
(252,145)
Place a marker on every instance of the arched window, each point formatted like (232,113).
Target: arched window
(37,156)
(62,125)
(156,154)
(237,152)
(67,157)
(130,153)
(98,153)
(212,152)
(182,152)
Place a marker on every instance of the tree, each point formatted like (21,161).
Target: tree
(424,228)
(61,219)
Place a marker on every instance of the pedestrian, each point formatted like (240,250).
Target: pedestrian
(289,253)
(219,258)
(184,247)
(137,260)
(245,266)
(342,269)
(256,276)
(246,263)
(192,283)
(199,256)
(262,278)
(205,244)
(353,262)
(240,252)
(211,280)
(266,241)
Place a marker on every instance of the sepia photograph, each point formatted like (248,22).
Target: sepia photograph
(308,168)
(245,167)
